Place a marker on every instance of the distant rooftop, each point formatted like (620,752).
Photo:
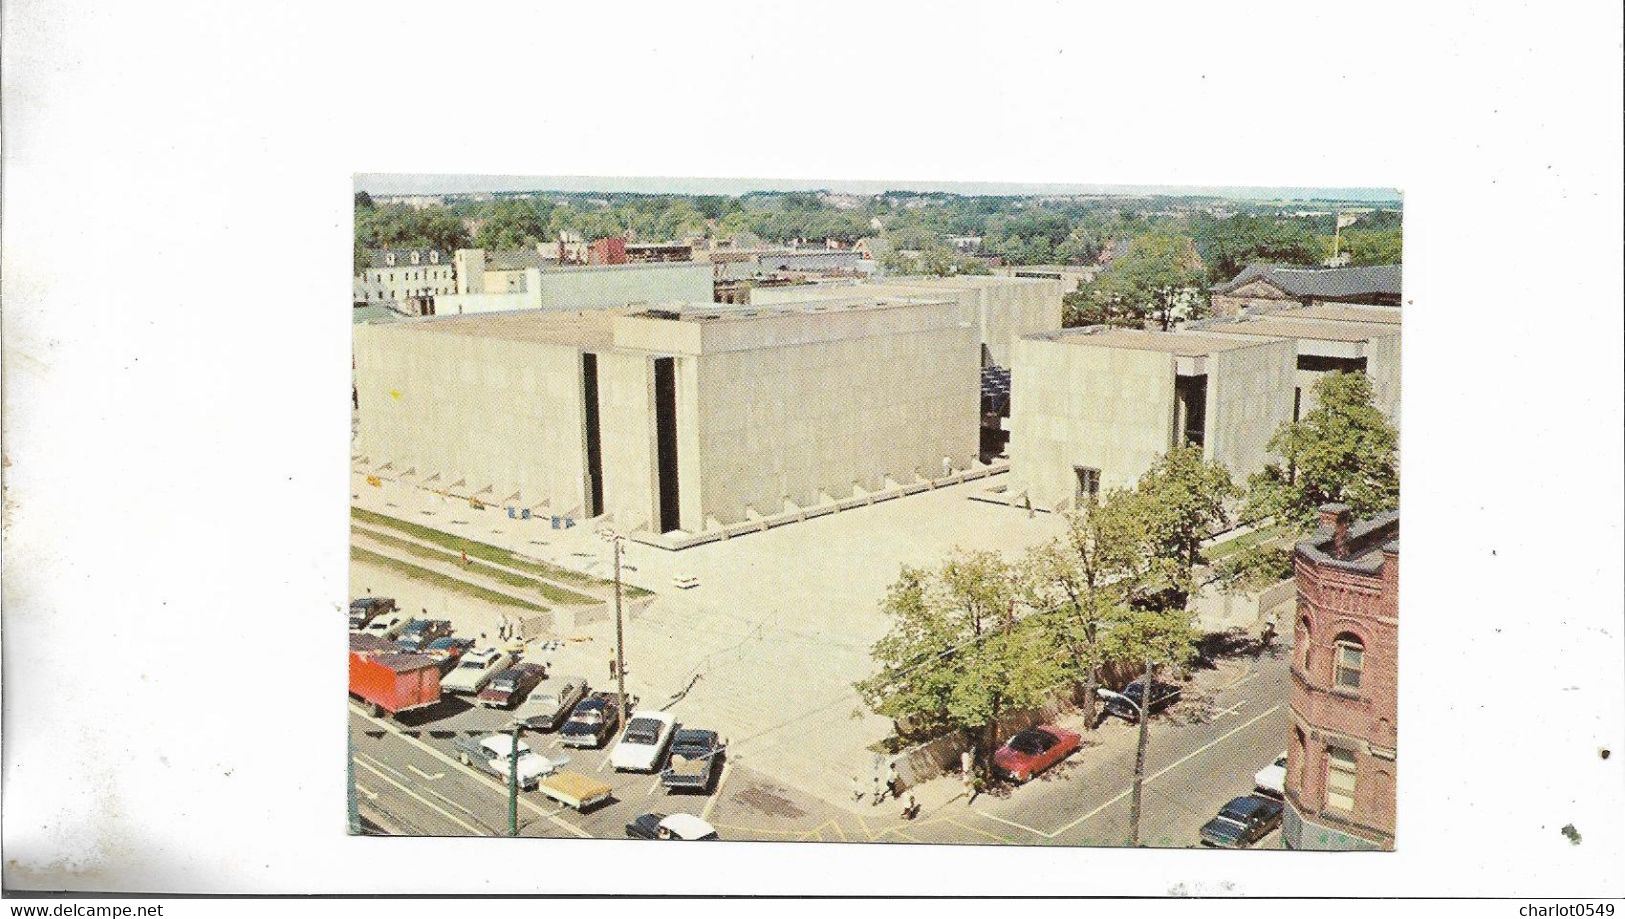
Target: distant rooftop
(1185,343)
(1366,280)
(725,312)
(587,328)
(402,258)
(1377,315)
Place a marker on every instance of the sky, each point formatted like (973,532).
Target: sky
(389,184)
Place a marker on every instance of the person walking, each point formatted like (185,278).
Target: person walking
(967,774)
(894,785)
(857,788)
(911,807)
(880,789)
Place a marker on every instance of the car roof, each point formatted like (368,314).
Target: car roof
(665,718)
(687,826)
(1247,804)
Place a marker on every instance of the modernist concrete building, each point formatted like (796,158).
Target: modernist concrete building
(684,422)
(578,287)
(1342,746)
(392,277)
(1003,308)
(1329,338)
(1092,408)
(1071,276)
(1273,286)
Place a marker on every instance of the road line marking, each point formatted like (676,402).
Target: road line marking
(372,795)
(425,801)
(1019,826)
(1241,681)
(453,803)
(1164,771)
(381,764)
(653,785)
(1232,710)
(716,793)
(966,826)
(837,828)
(478,776)
(422,774)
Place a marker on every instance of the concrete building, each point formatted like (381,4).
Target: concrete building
(578,287)
(683,423)
(1342,745)
(1092,408)
(1275,286)
(1003,308)
(392,277)
(1071,276)
(1329,338)
(481,271)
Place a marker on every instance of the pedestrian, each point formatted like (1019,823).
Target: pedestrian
(894,785)
(911,807)
(880,790)
(857,788)
(465,558)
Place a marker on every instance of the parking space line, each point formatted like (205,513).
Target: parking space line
(705,813)
(966,826)
(489,782)
(653,785)
(425,775)
(1240,681)
(371,795)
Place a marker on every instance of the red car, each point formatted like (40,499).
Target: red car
(507,688)
(1032,751)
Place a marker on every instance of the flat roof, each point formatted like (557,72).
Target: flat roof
(1187,343)
(1344,313)
(725,312)
(1277,325)
(589,328)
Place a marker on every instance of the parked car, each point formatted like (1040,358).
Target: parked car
(696,756)
(572,789)
(592,720)
(362,609)
(475,670)
(672,826)
(1032,751)
(642,747)
(448,651)
(508,687)
(419,632)
(1272,778)
(494,753)
(386,625)
(1242,822)
(547,706)
(1162,696)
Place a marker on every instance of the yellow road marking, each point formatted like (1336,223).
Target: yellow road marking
(966,826)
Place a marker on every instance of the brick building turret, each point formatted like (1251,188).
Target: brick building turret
(1342,746)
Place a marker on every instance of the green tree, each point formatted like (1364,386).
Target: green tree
(1151,280)
(1228,245)
(1180,502)
(1343,450)
(959,652)
(1374,247)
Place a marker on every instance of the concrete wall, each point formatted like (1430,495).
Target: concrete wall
(802,421)
(1110,409)
(489,412)
(584,288)
(1382,364)
(626,422)
(1249,396)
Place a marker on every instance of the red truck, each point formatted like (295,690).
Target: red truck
(392,682)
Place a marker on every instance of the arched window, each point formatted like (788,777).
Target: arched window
(1349,662)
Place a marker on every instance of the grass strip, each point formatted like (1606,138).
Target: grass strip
(1245,541)
(416,573)
(488,552)
(550,591)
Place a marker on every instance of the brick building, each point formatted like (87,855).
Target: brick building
(1342,747)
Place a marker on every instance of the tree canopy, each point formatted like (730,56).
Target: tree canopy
(1159,274)
(1343,450)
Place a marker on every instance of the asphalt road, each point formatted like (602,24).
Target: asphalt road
(1202,753)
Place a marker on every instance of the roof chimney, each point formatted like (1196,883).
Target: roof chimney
(1335,518)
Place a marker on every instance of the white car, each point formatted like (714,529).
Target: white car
(475,670)
(386,625)
(495,754)
(643,743)
(1272,778)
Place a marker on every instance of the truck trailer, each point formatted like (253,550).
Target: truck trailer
(392,682)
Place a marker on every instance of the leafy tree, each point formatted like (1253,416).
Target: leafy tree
(1374,247)
(958,653)
(1343,450)
(362,200)
(1181,501)
(1231,244)
(1151,280)
(514,225)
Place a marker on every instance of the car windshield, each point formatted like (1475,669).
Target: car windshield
(472,664)
(1030,742)
(701,739)
(1239,811)
(502,685)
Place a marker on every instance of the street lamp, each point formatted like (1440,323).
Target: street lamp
(518,728)
(616,539)
(1139,753)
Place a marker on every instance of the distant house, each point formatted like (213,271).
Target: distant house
(1115,251)
(404,280)
(1274,286)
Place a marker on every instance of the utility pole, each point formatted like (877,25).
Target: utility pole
(1143,706)
(513,781)
(620,643)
